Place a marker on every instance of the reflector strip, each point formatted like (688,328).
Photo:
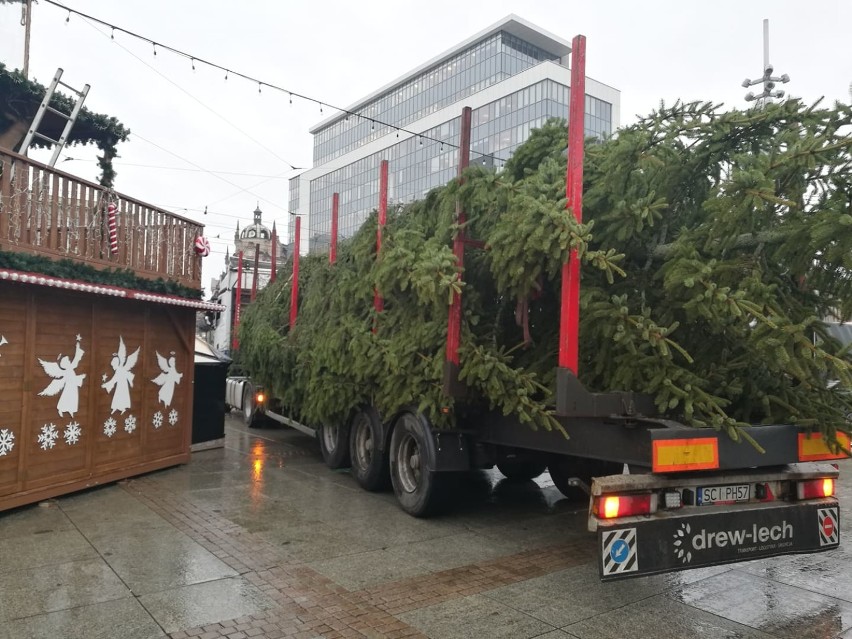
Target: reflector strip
(701,453)
(812,447)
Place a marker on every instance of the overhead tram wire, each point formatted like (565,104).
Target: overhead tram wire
(219,177)
(180,168)
(213,111)
(193,59)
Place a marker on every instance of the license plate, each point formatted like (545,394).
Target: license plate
(723,494)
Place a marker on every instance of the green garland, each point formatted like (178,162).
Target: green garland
(71,270)
(19,101)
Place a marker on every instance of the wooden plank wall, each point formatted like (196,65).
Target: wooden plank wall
(138,427)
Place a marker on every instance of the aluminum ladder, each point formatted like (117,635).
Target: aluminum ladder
(44,107)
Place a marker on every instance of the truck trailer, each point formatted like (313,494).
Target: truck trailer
(663,496)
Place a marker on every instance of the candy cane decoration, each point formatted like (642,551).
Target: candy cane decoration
(113,228)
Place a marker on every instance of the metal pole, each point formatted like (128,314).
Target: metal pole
(332,252)
(569,320)
(451,365)
(254,276)
(378,300)
(766,43)
(27,8)
(238,297)
(294,291)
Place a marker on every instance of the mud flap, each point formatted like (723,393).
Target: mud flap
(693,539)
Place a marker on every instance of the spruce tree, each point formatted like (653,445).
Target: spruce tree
(715,246)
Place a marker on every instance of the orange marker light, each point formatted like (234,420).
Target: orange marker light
(827,487)
(260,397)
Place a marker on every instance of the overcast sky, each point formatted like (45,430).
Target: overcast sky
(200,141)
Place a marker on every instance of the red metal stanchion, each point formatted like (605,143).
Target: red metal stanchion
(332,251)
(569,320)
(238,298)
(274,256)
(454,323)
(378,300)
(294,291)
(254,275)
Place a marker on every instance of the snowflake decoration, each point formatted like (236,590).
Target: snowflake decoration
(173,417)
(130,423)
(48,436)
(72,433)
(157,420)
(7,441)
(109,427)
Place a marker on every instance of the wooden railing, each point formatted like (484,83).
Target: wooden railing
(47,212)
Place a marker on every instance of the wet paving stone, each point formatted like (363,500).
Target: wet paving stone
(771,606)
(260,539)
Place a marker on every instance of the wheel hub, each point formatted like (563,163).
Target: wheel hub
(408,464)
(363,444)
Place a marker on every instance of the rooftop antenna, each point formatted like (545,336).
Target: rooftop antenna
(767,79)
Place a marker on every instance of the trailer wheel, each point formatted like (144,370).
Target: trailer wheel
(521,470)
(369,461)
(563,468)
(334,445)
(417,488)
(250,415)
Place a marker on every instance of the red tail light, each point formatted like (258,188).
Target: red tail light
(815,488)
(612,506)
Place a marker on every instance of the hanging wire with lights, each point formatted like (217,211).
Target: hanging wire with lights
(193,59)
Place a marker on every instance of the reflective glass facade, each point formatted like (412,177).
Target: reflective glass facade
(418,165)
(483,64)
(481,72)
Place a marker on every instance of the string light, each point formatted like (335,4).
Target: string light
(192,60)
(68,19)
(184,54)
(112,35)
(258,87)
(226,75)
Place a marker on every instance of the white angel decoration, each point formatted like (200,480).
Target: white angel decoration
(122,378)
(168,379)
(65,380)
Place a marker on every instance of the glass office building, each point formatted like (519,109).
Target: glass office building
(513,75)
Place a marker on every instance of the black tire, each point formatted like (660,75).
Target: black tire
(369,463)
(563,468)
(251,417)
(519,471)
(334,445)
(418,489)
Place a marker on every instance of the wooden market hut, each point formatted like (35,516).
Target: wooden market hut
(96,342)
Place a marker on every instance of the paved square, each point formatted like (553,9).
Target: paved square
(260,539)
